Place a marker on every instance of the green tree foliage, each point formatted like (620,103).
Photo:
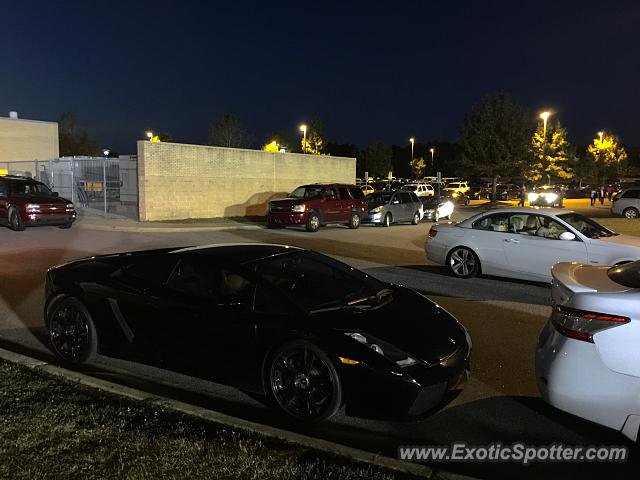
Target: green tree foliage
(608,155)
(228,131)
(377,159)
(417,167)
(552,153)
(315,139)
(72,139)
(494,139)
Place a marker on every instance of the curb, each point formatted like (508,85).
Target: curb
(351,453)
(132,229)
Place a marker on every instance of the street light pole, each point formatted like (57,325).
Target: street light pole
(412,140)
(432,150)
(545,116)
(104,181)
(303,129)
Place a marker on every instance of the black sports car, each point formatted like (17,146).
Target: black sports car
(304,331)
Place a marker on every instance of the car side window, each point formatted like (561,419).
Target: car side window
(330,194)
(405,197)
(549,228)
(414,197)
(498,222)
(3,189)
(627,194)
(344,193)
(147,271)
(357,193)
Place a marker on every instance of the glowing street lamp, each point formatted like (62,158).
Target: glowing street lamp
(150,135)
(303,129)
(600,134)
(432,150)
(412,140)
(545,116)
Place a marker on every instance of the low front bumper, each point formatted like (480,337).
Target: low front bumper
(287,218)
(35,219)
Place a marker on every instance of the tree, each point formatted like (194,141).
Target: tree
(166,137)
(72,139)
(228,131)
(314,143)
(494,138)
(377,158)
(583,167)
(417,167)
(552,153)
(608,155)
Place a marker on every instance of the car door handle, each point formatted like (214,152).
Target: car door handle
(512,240)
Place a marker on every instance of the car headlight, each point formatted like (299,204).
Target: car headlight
(298,208)
(376,210)
(533,196)
(455,194)
(383,348)
(32,206)
(551,197)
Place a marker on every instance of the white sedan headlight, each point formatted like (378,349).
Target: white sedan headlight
(551,197)
(533,196)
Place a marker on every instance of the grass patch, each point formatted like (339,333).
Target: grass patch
(53,428)
(627,226)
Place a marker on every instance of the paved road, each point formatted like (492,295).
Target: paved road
(503,317)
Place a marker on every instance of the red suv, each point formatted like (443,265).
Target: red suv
(319,204)
(25,201)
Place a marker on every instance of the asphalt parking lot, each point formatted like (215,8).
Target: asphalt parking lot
(500,403)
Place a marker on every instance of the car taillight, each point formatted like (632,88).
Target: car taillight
(432,232)
(582,324)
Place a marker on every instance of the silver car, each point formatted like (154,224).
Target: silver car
(627,204)
(386,208)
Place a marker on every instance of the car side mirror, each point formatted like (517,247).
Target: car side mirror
(55,194)
(567,236)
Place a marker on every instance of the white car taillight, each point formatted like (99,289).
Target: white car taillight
(582,324)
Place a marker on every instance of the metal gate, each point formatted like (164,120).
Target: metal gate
(98,186)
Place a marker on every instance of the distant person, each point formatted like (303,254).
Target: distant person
(592,196)
(602,193)
(610,192)
(523,196)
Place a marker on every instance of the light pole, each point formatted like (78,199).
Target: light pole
(412,140)
(104,180)
(600,134)
(545,116)
(433,151)
(303,129)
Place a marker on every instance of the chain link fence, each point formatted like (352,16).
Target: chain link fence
(98,186)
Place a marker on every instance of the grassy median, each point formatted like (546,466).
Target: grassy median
(53,428)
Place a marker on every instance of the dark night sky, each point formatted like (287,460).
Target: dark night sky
(371,71)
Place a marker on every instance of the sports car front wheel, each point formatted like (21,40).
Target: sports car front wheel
(73,334)
(304,383)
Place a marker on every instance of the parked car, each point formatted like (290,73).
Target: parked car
(546,196)
(420,189)
(290,325)
(525,242)
(507,191)
(587,360)
(627,203)
(457,187)
(25,202)
(388,207)
(477,193)
(436,208)
(367,189)
(457,198)
(319,204)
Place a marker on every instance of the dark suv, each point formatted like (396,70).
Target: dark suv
(319,204)
(26,202)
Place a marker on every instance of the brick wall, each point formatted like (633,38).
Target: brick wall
(27,140)
(178,181)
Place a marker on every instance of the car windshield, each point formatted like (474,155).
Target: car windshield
(319,283)
(627,274)
(379,198)
(307,191)
(29,188)
(586,226)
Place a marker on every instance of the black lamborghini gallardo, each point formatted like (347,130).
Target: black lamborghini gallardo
(302,330)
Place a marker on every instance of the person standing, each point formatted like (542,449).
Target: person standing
(610,192)
(523,196)
(602,194)
(593,196)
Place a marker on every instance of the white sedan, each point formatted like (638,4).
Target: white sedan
(588,360)
(525,243)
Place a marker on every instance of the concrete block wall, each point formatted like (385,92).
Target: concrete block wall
(179,181)
(27,140)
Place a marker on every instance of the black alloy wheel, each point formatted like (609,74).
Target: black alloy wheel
(72,331)
(304,383)
(354,221)
(313,222)
(15,220)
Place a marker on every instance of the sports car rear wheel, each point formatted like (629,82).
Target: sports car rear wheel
(463,263)
(304,383)
(72,331)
